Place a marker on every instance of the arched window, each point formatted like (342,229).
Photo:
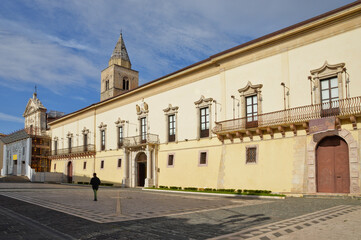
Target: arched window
(125,83)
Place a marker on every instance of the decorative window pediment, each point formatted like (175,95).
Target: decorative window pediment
(250,89)
(170,109)
(69,135)
(85,131)
(119,122)
(328,70)
(203,101)
(102,126)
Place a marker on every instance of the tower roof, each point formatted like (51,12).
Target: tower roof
(120,54)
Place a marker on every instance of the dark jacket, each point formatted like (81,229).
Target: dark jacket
(95,182)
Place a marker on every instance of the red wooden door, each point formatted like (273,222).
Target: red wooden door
(333,174)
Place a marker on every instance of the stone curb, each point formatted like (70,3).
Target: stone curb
(217,194)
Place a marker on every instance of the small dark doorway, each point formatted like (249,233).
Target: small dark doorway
(141,173)
(333,173)
(70,172)
(141,168)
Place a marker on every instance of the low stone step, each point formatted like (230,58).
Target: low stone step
(15,179)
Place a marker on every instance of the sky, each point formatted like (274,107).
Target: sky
(62,46)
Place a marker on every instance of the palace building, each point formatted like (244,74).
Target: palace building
(280,113)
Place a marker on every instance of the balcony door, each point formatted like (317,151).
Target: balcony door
(251,111)
(329,97)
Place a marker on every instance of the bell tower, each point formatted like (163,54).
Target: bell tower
(118,77)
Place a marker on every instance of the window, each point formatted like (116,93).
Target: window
(120,137)
(143,129)
(85,141)
(125,83)
(56,147)
(251,111)
(171,123)
(204,122)
(69,144)
(329,96)
(15,162)
(119,162)
(170,160)
(102,164)
(251,154)
(84,165)
(102,140)
(107,85)
(23,150)
(251,101)
(171,128)
(55,167)
(327,83)
(204,117)
(203,158)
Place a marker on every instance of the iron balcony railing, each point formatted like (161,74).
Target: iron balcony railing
(140,140)
(74,150)
(338,108)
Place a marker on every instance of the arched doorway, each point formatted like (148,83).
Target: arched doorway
(70,172)
(141,161)
(332,164)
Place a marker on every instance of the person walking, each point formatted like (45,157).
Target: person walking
(95,182)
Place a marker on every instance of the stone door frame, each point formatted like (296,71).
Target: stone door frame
(353,160)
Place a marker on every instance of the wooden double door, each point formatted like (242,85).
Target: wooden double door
(332,163)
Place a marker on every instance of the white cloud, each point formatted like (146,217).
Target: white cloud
(10,118)
(29,57)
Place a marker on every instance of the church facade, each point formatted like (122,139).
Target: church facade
(281,113)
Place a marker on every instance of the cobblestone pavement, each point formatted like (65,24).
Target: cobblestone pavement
(53,211)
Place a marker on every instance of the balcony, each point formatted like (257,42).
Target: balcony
(80,151)
(289,119)
(141,141)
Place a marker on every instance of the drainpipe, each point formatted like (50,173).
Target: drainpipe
(95,135)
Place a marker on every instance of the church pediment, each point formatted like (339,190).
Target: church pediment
(33,106)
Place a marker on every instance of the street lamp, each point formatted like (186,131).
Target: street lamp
(215,107)
(284,94)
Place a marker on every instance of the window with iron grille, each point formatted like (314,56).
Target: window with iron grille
(102,139)
(119,162)
(170,160)
(120,137)
(143,128)
(203,158)
(84,165)
(251,155)
(102,164)
(204,122)
(171,128)
(252,111)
